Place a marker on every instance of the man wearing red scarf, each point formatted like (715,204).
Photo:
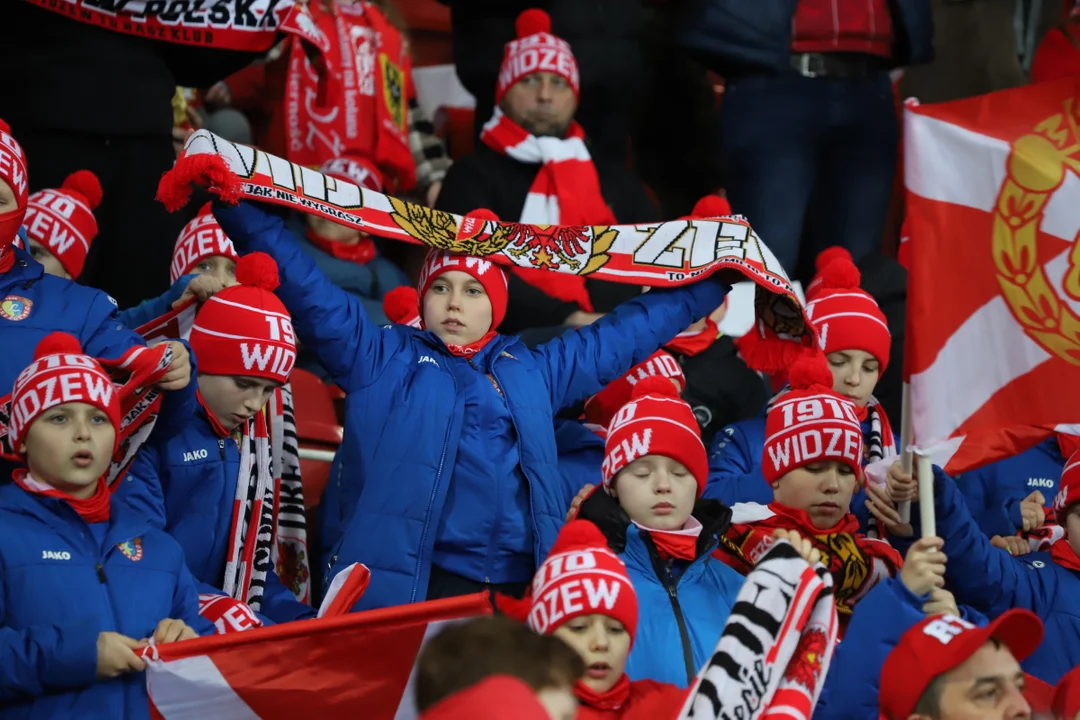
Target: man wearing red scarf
(533,164)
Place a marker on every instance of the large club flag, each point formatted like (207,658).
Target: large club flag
(993,192)
(359,665)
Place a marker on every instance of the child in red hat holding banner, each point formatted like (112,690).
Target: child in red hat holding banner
(463,415)
(87,583)
(211,486)
(583,595)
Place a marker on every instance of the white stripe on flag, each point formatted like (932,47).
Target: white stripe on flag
(939,403)
(193,689)
(407,709)
(948,163)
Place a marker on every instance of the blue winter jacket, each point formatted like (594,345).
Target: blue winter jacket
(733,36)
(389,481)
(993,492)
(581,455)
(154,308)
(185,485)
(735,468)
(61,588)
(992,581)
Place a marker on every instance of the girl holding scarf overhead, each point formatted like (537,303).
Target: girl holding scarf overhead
(855,338)
(447,481)
(86,582)
(812,462)
(212,486)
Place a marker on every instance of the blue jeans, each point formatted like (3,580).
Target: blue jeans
(810,161)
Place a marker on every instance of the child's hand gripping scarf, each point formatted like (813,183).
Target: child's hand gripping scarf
(775,650)
(855,561)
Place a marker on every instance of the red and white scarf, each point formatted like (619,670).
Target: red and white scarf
(781,633)
(94,509)
(566,191)
(366,110)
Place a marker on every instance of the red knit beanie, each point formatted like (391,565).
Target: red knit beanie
(656,421)
(401,306)
(486,272)
(61,373)
(822,261)
(354,169)
(201,238)
(245,330)
(13,172)
(63,220)
(844,316)
(1069,488)
(581,576)
(810,423)
(536,50)
(601,407)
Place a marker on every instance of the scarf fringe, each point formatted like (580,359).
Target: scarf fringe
(209,171)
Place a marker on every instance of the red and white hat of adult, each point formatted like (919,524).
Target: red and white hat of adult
(1069,487)
(201,238)
(402,306)
(536,50)
(487,273)
(939,644)
(354,169)
(581,576)
(12,172)
(810,423)
(61,373)
(845,316)
(656,421)
(245,329)
(601,407)
(62,219)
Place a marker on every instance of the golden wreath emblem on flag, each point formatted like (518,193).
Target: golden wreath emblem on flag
(1036,168)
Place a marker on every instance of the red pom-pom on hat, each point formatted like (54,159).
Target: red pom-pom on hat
(578,535)
(86,184)
(400,304)
(768,355)
(809,371)
(711,206)
(655,386)
(829,254)
(532,22)
(840,273)
(58,343)
(259,270)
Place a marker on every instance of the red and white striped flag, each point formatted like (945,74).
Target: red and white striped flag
(993,334)
(359,665)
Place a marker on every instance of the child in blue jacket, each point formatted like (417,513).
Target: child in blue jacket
(991,580)
(856,341)
(654,471)
(195,485)
(447,481)
(86,583)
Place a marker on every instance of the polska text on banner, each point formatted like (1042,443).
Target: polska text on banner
(658,254)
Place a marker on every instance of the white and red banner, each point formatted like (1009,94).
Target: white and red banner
(993,192)
(358,665)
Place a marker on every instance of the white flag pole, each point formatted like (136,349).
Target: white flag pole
(926,494)
(906,440)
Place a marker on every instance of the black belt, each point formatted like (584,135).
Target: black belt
(838,65)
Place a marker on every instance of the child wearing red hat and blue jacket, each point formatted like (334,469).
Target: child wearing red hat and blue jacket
(191,483)
(87,583)
(448,479)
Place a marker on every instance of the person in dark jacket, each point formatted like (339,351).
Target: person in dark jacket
(447,481)
(187,484)
(808,113)
(87,583)
(533,165)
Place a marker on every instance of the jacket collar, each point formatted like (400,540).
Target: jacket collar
(493,349)
(124,523)
(25,271)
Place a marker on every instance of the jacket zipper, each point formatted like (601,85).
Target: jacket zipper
(684,633)
(221,447)
(434,492)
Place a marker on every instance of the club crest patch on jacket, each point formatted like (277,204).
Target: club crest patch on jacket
(132,549)
(15,308)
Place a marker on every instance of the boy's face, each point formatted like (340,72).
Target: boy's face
(822,489)
(52,266)
(855,374)
(333,231)
(69,447)
(233,399)
(457,308)
(218,266)
(8,201)
(603,644)
(657,492)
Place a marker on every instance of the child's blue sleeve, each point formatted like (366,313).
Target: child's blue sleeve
(154,308)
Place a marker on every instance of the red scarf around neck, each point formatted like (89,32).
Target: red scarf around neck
(219,429)
(675,545)
(613,699)
(361,252)
(94,509)
(473,347)
(1063,554)
(566,191)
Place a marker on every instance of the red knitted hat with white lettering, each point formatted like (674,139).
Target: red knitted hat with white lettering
(581,576)
(486,272)
(245,330)
(656,421)
(354,169)
(61,373)
(1069,489)
(12,172)
(845,316)
(601,407)
(401,306)
(536,50)
(810,423)
(62,219)
(201,238)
